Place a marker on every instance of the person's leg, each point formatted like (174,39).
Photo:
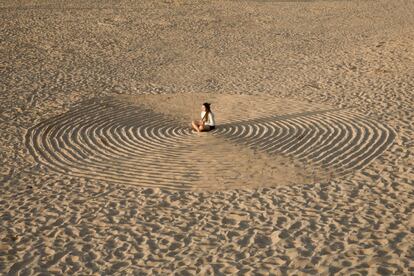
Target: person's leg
(195,125)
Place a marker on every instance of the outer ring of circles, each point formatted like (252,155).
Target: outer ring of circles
(117,142)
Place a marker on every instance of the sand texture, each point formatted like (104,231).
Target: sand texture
(310,170)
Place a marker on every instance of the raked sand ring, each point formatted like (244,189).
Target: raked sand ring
(335,141)
(115,141)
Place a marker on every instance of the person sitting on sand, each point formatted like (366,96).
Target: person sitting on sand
(207,119)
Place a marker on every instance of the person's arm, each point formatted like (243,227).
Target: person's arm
(203,118)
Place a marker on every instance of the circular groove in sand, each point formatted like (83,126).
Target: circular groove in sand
(118,142)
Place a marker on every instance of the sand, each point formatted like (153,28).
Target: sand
(100,173)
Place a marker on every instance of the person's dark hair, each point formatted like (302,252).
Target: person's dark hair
(208,110)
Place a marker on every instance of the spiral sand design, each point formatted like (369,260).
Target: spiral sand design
(131,144)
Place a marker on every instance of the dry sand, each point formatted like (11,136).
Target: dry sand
(100,173)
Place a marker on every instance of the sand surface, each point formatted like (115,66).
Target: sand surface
(312,162)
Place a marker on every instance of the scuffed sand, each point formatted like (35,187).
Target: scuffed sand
(251,59)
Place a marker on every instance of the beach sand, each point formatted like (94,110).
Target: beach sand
(310,170)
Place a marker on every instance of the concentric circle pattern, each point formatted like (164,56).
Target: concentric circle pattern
(334,140)
(115,141)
